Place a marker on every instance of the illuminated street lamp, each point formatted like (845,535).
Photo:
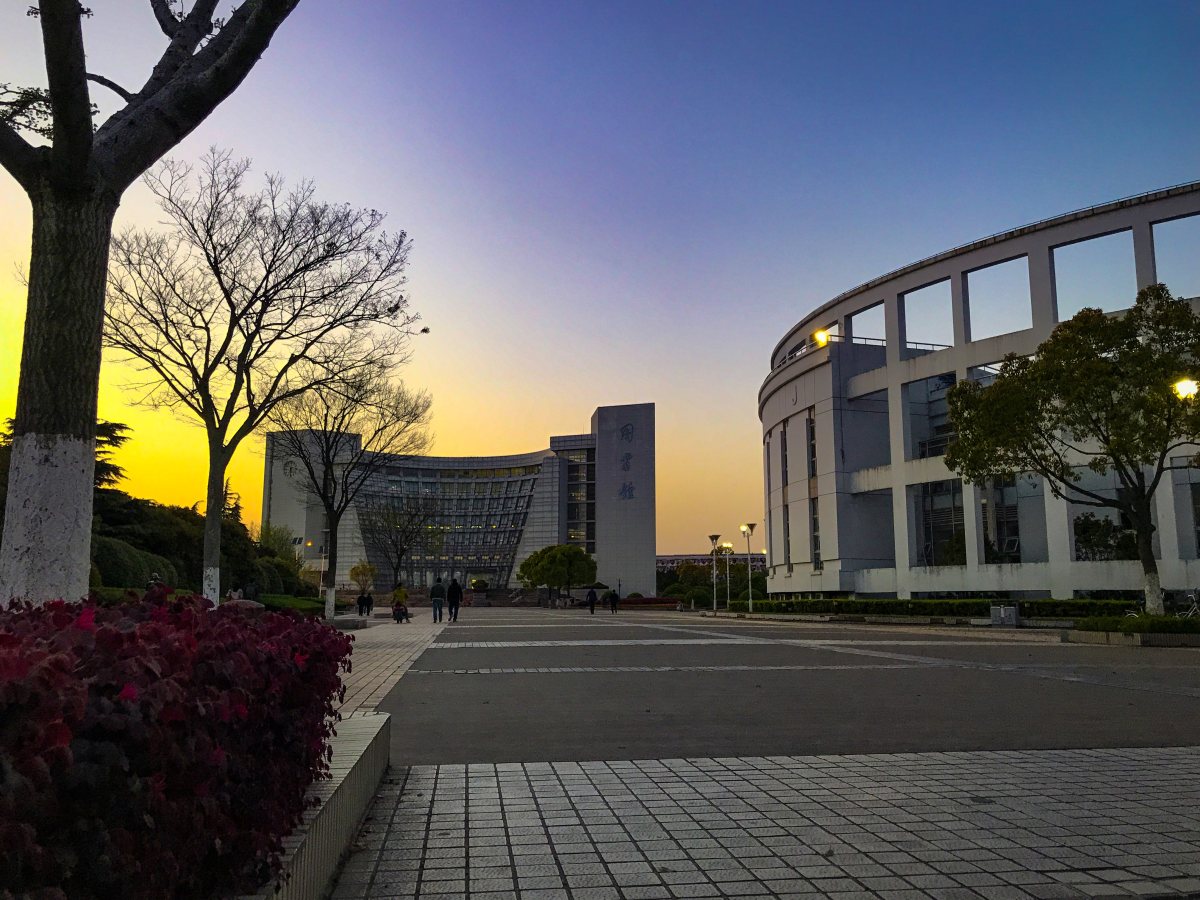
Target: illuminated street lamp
(714,538)
(1185,388)
(728,548)
(747,530)
(821,336)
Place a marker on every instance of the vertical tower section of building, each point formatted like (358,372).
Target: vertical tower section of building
(625,497)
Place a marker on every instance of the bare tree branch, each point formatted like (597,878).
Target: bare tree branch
(17,156)
(62,40)
(111,85)
(166,19)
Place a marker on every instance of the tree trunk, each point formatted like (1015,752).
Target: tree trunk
(48,515)
(331,567)
(214,512)
(1144,529)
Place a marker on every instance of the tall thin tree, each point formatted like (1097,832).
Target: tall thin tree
(74,186)
(338,435)
(249,299)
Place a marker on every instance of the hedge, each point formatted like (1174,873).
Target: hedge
(976,608)
(154,749)
(1140,624)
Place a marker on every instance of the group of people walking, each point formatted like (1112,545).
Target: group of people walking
(610,600)
(451,595)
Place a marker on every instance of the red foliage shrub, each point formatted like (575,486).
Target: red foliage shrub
(157,749)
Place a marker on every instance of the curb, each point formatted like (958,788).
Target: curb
(1137,639)
(313,853)
(866,619)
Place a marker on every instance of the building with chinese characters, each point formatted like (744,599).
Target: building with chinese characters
(594,490)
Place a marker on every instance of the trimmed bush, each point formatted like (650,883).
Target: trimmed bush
(268,578)
(1140,624)
(677,591)
(975,608)
(121,565)
(306,605)
(634,596)
(157,750)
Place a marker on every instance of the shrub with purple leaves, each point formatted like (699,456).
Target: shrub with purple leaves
(158,749)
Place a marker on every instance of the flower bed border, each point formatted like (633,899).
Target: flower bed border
(1137,639)
(315,850)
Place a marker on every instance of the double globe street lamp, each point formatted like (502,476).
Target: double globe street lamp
(748,529)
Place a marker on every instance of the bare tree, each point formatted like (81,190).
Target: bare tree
(250,299)
(336,437)
(74,186)
(393,526)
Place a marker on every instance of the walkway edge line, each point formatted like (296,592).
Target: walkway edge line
(314,852)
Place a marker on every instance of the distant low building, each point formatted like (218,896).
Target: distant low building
(669,563)
(594,490)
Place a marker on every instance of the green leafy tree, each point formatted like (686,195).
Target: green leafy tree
(363,574)
(561,566)
(1098,394)
(74,184)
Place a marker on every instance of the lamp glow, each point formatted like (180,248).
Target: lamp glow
(821,336)
(1185,388)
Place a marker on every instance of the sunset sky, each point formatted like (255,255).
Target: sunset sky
(626,202)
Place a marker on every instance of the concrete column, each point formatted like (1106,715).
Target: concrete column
(1041,291)
(960,309)
(1167,533)
(972,529)
(1058,545)
(1143,254)
(894,329)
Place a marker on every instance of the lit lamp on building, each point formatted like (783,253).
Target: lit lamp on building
(747,530)
(1185,388)
(820,337)
(728,548)
(714,538)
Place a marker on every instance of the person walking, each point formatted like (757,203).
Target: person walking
(365,602)
(437,597)
(613,597)
(591,600)
(454,595)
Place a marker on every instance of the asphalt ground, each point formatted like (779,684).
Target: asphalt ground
(561,685)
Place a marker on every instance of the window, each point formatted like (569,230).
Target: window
(783,453)
(810,436)
(998,299)
(814,524)
(787,537)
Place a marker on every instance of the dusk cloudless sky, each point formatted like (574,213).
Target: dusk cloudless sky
(631,202)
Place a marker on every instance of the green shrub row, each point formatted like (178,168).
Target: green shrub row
(976,608)
(1140,624)
(122,565)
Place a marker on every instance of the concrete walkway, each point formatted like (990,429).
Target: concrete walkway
(382,654)
(654,755)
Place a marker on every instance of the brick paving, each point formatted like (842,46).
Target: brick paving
(382,654)
(985,823)
(1027,824)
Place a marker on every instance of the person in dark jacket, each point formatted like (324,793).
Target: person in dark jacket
(454,597)
(437,596)
(591,600)
(613,597)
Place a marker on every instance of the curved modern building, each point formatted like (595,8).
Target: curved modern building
(858,497)
(488,513)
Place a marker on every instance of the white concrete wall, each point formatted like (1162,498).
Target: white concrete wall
(625,497)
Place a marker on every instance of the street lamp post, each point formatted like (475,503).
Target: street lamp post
(747,530)
(714,538)
(728,548)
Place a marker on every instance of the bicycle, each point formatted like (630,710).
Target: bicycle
(1192,611)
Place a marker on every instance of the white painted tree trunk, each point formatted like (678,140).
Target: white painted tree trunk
(213,513)
(48,519)
(330,602)
(1154,594)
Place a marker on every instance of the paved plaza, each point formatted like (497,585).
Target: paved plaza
(543,754)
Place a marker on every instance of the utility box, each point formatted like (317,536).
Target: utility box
(1006,616)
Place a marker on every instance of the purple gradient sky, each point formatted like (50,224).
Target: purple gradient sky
(629,202)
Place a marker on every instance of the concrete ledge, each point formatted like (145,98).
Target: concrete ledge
(314,851)
(1118,639)
(861,619)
